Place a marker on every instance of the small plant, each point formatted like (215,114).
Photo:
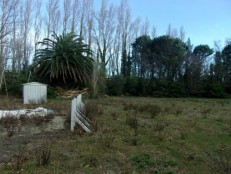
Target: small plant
(154,110)
(148,164)
(205,113)
(107,140)
(11,124)
(179,111)
(192,123)
(93,113)
(134,140)
(159,127)
(132,121)
(182,134)
(37,120)
(20,157)
(143,160)
(42,154)
(114,116)
(128,106)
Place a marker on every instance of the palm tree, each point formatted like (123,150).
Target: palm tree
(63,58)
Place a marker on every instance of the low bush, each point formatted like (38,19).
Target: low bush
(42,154)
(115,85)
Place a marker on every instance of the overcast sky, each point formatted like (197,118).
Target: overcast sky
(204,21)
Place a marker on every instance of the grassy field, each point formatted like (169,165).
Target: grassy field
(131,135)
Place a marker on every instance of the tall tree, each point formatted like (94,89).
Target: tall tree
(140,55)
(168,57)
(182,33)
(198,67)
(52,18)
(103,32)
(75,14)
(154,34)
(8,10)
(26,29)
(66,15)
(226,65)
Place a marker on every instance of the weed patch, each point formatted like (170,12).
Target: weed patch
(42,154)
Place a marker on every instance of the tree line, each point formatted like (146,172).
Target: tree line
(117,45)
(167,66)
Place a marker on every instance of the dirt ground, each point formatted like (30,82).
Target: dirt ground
(28,136)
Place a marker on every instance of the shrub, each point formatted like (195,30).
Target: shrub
(92,112)
(143,160)
(107,139)
(42,154)
(11,124)
(131,86)
(51,92)
(115,85)
(132,121)
(20,157)
(214,90)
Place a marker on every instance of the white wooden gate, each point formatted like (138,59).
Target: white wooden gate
(77,116)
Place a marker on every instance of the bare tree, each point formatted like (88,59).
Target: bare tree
(66,15)
(174,33)
(13,39)
(7,11)
(134,29)
(89,21)
(82,18)
(75,15)
(52,17)
(103,32)
(169,30)
(182,33)
(228,41)
(217,45)
(154,34)
(26,29)
(145,27)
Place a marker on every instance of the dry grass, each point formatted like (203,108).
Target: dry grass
(172,136)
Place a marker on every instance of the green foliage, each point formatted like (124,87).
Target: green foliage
(51,92)
(143,160)
(64,59)
(14,82)
(226,66)
(132,121)
(115,85)
(131,85)
(165,88)
(214,89)
(202,51)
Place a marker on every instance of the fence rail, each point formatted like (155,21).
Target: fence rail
(77,116)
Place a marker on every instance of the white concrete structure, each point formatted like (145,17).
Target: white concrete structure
(34,92)
(25,112)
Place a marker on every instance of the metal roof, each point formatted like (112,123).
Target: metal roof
(35,84)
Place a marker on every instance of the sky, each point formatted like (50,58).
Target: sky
(204,21)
